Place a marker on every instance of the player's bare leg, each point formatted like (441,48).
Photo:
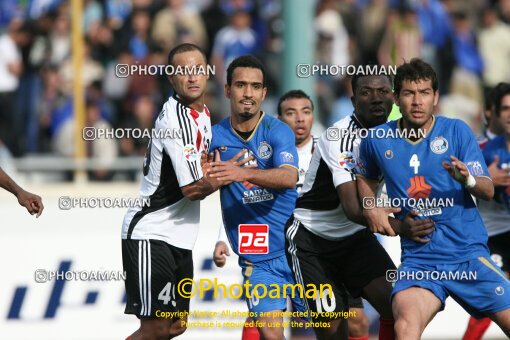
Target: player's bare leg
(266,326)
(414,308)
(336,330)
(503,320)
(159,329)
(358,326)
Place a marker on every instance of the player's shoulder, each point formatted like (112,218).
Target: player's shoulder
(172,114)
(270,123)
(496,143)
(482,141)
(222,126)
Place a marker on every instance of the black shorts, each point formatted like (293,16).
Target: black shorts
(353,302)
(348,264)
(153,270)
(499,246)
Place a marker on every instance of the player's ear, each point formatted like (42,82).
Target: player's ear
(436,98)
(227,91)
(264,92)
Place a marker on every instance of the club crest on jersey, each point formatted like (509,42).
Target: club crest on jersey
(347,160)
(388,154)
(265,150)
(190,152)
(286,157)
(439,145)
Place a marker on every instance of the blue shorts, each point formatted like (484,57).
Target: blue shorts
(266,274)
(478,285)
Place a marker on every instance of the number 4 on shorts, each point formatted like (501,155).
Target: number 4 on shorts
(167,294)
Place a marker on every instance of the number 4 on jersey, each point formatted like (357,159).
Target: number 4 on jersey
(414,163)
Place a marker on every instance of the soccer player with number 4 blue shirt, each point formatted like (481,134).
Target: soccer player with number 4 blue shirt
(260,195)
(441,171)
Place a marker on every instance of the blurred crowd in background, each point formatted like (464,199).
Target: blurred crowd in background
(467,42)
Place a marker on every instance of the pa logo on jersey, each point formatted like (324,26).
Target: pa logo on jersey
(347,160)
(439,145)
(265,150)
(253,238)
(190,152)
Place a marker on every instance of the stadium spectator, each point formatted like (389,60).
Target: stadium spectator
(176,24)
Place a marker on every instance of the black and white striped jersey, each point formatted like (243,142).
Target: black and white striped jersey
(171,162)
(305,156)
(318,206)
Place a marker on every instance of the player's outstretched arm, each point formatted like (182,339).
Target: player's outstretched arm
(479,186)
(33,203)
(284,177)
(377,218)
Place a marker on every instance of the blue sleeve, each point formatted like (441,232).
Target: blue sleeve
(367,161)
(469,151)
(488,155)
(284,147)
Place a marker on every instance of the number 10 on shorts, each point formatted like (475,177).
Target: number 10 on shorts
(253,239)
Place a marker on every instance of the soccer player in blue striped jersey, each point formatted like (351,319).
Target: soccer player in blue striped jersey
(259,200)
(444,164)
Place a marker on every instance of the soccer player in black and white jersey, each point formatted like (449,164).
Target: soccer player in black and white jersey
(327,238)
(296,109)
(157,240)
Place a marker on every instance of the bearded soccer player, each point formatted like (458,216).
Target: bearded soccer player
(441,167)
(295,108)
(327,239)
(258,201)
(157,240)
(496,212)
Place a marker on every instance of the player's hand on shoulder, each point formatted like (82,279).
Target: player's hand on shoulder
(499,176)
(378,222)
(33,203)
(416,230)
(220,254)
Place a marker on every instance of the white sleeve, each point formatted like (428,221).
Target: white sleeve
(184,155)
(222,236)
(340,163)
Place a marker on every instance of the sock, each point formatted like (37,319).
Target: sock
(250,333)
(476,328)
(386,329)
(362,338)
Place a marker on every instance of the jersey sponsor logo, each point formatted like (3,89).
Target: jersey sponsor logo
(286,157)
(475,168)
(419,188)
(439,145)
(223,148)
(255,194)
(253,238)
(499,290)
(265,150)
(388,154)
(347,160)
(190,152)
